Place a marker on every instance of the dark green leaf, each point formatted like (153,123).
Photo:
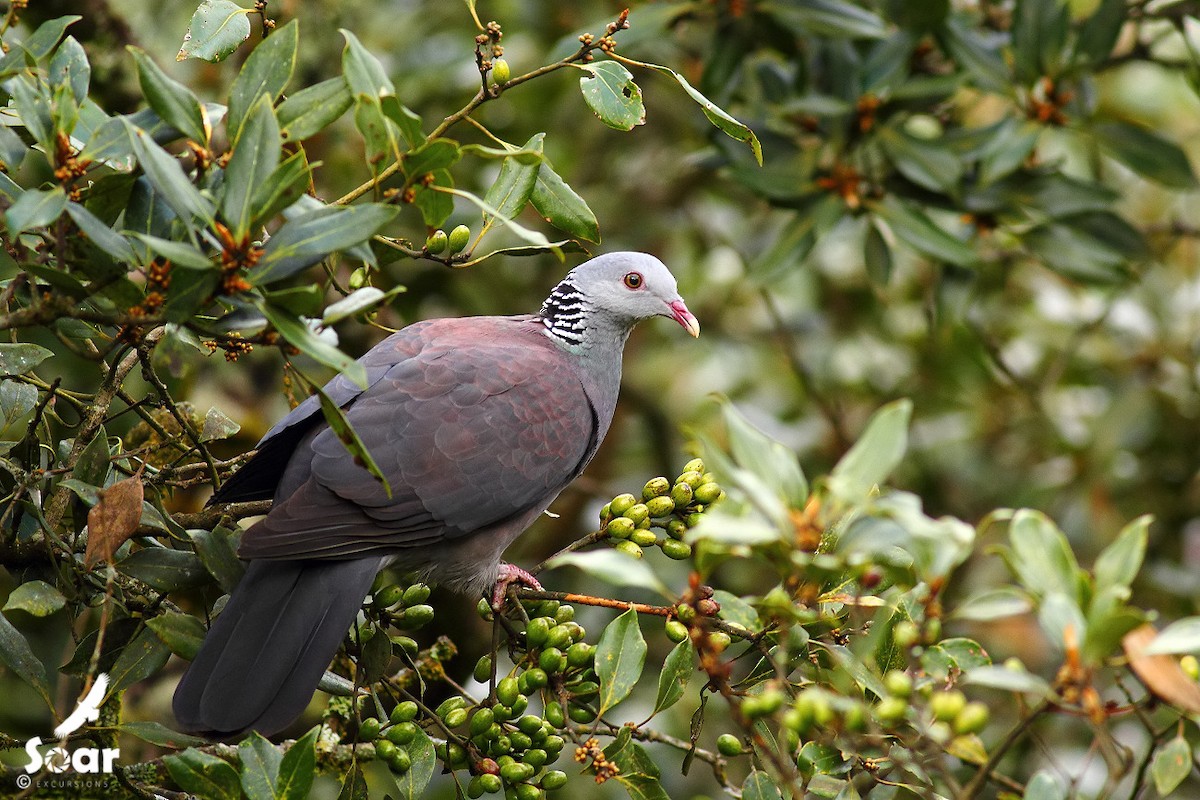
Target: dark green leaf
(300,335)
(1098,34)
(759,786)
(17,655)
(306,239)
(101,235)
(610,92)
(914,228)
(164,569)
(562,207)
(405,119)
(36,208)
(358,301)
(926,163)
(34,108)
(217,550)
(171,100)
(535,238)
(204,775)
(676,672)
(260,767)
(1009,148)
(12,153)
(168,178)
(19,358)
(1039,32)
(35,597)
(363,72)
(639,774)
(349,437)
(217,29)
(976,55)
(435,206)
(437,155)
(1146,153)
(297,768)
(1172,764)
(717,115)
(379,134)
(182,633)
(620,657)
(42,41)
(255,157)
(159,734)
(16,400)
(514,185)
(832,18)
(877,256)
(180,254)
(190,291)
(283,187)
(354,787)
(93,464)
(267,70)
(143,656)
(412,783)
(70,67)
(310,110)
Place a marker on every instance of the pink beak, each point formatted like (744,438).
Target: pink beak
(680,313)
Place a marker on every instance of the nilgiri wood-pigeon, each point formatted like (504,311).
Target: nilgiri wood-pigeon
(477,423)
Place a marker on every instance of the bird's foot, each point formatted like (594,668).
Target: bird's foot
(508,575)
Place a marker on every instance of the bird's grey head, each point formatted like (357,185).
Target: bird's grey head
(609,294)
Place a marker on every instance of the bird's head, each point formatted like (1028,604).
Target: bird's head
(625,287)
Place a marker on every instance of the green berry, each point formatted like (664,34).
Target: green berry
(676,528)
(763,704)
(891,710)
(552,660)
(629,548)
(399,762)
(564,613)
(437,242)
(520,742)
(637,513)
(369,729)
(500,71)
(450,704)
(655,487)
(459,238)
(417,616)
(692,478)
(502,713)
(388,596)
(898,683)
(675,549)
(1190,666)
(559,636)
(554,744)
(506,691)
(483,669)
(695,465)
(529,724)
(554,779)
(945,706)
(537,630)
(606,512)
(360,278)
(972,719)
(707,493)
(416,594)
(405,644)
(905,634)
(481,720)
(404,712)
(940,732)
(647,539)
(527,791)
(475,787)
(585,689)
(455,718)
(491,783)
(484,609)
(402,733)
(516,772)
(729,745)
(854,718)
(555,716)
(682,495)
(581,714)
(719,640)
(660,506)
(693,519)
(535,679)
(622,503)
(581,654)
(676,630)
(620,528)
(385,750)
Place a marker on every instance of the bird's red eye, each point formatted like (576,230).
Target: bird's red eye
(634,280)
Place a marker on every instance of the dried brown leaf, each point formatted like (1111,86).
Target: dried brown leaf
(1161,674)
(114,519)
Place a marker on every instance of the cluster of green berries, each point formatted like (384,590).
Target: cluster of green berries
(516,747)
(404,608)
(949,712)
(393,737)
(452,244)
(665,506)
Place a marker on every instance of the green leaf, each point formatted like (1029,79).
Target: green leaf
(358,301)
(638,773)
(928,164)
(562,207)
(514,185)
(1041,556)
(255,156)
(35,597)
(612,566)
(164,569)
(217,29)
(1119,563)
(217,550)
(405,119)
(70,67)
(180,254)
(203,775)
(1039,32)
(1009,680)
(260,767)
(93,465)
(876,453)
(1098,34)
(297,768)
(770,461)
(436,155)
(423,759)
(1146,153)
(1181,636)
(182,633)
(159,734)
(620,657)
(362,70)
(877,256)
(19,358)
(535,238)
(759,786)
(36,208)
(976,54)
(140,658)
(724,122)
(33,107)
(18,656)
(831,18)
(308,238)
(1172,764)
(354,787)
(16,400)
(170,99)
(41,42)
(991,604)
(267,70)
(12,151)
(101,235)
(610,92)
(1044,785)
(168,179)
(913,227)
(1009,148)
(284,186)
(310,110)
(350,439)
(217,426)
(300,335)
(524,251)
(676,672)
(191,290)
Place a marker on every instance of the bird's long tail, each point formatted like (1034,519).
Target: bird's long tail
(266,652)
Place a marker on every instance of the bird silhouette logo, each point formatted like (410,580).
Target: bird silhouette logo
(88,709)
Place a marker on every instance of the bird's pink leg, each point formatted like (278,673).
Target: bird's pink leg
(508,575)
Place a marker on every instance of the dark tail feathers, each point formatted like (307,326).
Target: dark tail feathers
(266,652)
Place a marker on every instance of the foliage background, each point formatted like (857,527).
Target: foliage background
(1051,360)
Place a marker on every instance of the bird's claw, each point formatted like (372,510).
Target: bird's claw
(508,575)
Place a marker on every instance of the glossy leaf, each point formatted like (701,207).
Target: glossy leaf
(17,358)
(913,227)
(203,775)
(928,164)
(362,70)
(313,108)
(514,185)
(16,400)
(35,597)
(166,175)
(1041,556)
(260,767)
(301,336)
(297,768)
(267,71)
(759,786)
(159,734)
(70,67)
(36,208)
(306,239)
(255,156)
(180,254)
(284,186)
(164,569)
(182,633)
(357,302)
(725,122)
(423,763)
(1119,563)
(676,672)
(217,28)
(559,205)
(217,550)
(100,234)
(610,92)
(832,18)
(142,657)
(1147,153)
(170,99)
(620,657)
(18,656)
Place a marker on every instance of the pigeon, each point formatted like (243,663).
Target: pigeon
(477,424)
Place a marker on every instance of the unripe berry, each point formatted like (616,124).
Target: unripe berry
(581,654)
(972,719)
(905,634)
(537,631)
(416,594)
(555,716)
(552,660)
(369,729)
(655,487)
(676,549)
(404,712)
(695,465)
(898,683)
(692,478)
(437,242)
(404,644)
(527,791)
(638,513)
(647,539)
(719,640)
(891,710)
(620,528)
(682,495)
(554,779)
(506,691)
(402,733)
(660,506)
(475,788)
(945,706)
(581,714)
(388,596)
(501,72)
(729,745)
(481,720)
(629,548)
(707,493)
(483,669)
(491,783)
(559,636)
(359,278)
(417,616)
(459,238)
(399,762)
(564,613)
(676,630)
(676,528)
(622,503)
(455,718)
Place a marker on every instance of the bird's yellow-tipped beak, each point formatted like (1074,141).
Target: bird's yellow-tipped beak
(680,313)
